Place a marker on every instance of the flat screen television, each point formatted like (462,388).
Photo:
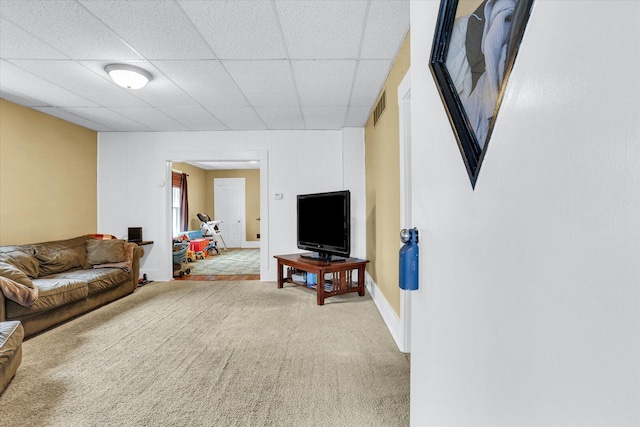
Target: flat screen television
(324,225)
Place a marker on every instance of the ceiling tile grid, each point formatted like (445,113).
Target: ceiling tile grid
(216,65)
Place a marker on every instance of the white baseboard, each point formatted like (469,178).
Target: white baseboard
(389,316)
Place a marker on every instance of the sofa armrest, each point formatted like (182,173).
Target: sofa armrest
(138,252)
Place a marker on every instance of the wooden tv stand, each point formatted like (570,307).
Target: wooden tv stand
(341,281)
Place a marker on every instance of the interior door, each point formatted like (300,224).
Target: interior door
(229,206)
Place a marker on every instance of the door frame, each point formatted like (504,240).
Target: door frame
(406,221)
(222,156)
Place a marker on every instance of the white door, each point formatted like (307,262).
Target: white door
(229,206)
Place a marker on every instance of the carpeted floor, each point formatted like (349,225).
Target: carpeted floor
(186,353)
(228,262)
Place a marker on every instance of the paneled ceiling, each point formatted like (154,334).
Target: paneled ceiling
(216,65)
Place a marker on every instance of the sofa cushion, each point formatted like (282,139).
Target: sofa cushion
(14,273)
(23,258)
(97,280)
(54,292)
(11,336)
(105,251)
(58,256)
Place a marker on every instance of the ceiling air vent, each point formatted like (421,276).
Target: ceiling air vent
(380,106)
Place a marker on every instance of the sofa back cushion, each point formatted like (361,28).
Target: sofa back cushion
(21,257)
(105,251)
(14,273)
(56,258)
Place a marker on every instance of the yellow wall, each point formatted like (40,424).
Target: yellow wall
(48,177)
(382,173)
(252,196)
(197,190)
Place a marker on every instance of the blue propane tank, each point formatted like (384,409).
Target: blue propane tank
(409,259)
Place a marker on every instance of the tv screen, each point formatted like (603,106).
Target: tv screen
(324,224)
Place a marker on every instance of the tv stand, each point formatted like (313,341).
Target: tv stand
(340,282)
(322,257)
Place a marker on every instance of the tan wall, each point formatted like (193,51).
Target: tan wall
(197,190)
(252,196)
(48,177)
(382,174)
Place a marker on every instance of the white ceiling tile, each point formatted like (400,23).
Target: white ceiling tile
(98,89)
(357,116)
(20,99)
(322,29)
(108,118)
(159,92)
(16,80)
(324,82)
(369,77)
(151,118)
(238,29)
(68,27)
(195,118)
(17,43)
(238,118)
(156,29)
(281,117)
(206,81)
(324,117)
(72,118)
(264,82)
(387,26)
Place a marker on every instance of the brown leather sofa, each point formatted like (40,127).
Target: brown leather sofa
(72,276)
(11,335)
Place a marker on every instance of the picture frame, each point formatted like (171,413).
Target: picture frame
(474,49)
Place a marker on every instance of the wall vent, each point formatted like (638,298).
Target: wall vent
(380,106)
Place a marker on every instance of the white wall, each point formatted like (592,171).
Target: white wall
(134,184)
(528,312)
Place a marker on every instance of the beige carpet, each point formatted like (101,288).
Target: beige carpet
(214,354)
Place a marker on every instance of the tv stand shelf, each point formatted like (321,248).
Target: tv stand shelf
(342,277)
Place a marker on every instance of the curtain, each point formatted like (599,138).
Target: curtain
(184,204)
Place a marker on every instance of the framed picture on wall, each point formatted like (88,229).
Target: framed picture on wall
(474,49)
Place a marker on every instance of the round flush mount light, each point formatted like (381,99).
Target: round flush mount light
(128,76)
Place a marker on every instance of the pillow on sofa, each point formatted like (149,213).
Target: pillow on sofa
(12,272)
(27,263)
(105,251)
(57,258)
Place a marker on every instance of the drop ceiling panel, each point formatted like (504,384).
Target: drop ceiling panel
(386,29)
(159,92)
(238,29)
(156,29)
(68,27)
(86,83)
(151,118)
(281,117)
(324,117)
(324,82)
(264,82)
(70,117)
(19,81)
(206,81)
(357,116)
(322,30)
(108,118)
(17,43)
(195,118)
(369,75)
(238,118)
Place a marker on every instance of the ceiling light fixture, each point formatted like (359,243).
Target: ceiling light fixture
(128,76)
